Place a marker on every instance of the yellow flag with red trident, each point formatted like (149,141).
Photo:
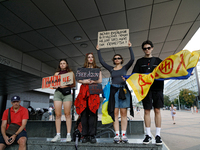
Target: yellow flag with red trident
(178,66)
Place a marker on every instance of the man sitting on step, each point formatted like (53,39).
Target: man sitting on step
(17,115)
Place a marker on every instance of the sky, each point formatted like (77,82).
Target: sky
(193,44)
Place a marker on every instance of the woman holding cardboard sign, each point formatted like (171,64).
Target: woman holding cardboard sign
(120,96)
(62,96)
(87,104)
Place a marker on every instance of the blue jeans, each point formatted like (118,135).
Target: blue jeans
(119,103)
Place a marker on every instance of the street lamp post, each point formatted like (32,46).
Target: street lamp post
(179,104)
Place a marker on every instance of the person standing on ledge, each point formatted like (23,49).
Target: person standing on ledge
(154,97)
(19,116)
(63,96)
(119,100)
(87,104)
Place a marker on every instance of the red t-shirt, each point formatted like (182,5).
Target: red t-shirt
(17,117)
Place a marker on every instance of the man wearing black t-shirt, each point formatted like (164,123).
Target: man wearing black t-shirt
(154,97)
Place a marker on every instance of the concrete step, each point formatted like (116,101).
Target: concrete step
(47,128)
(102,144)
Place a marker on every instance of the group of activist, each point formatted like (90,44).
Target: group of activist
(87,104)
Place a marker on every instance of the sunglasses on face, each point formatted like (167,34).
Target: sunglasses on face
(145,48)
(119,58)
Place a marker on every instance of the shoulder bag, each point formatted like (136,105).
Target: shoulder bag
(13,128)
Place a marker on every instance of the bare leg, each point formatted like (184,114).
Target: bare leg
(67,109)
(173,118)
(2,146)
(123,113)
(157,117)
(147,118)
(58,112)
(22,143)
(116,123)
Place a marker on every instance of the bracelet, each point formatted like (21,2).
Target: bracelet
(15,134)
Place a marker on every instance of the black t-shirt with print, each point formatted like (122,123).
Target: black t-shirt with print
(142,66)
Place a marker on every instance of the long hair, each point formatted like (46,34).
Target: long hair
(67,67)
(86,64)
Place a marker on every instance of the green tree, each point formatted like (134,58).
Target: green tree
(187,97)
(175,102)
(167,102)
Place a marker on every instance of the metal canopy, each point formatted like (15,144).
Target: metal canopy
(45,29)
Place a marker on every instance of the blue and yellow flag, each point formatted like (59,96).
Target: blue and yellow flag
(106,118)
(178,66)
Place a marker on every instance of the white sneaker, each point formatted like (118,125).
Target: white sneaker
(117,139)
(68,138)
(56,139)
(124,139)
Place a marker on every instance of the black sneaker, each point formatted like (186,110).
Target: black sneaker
(158,140)
(85,139)
(93,139)
(147,139)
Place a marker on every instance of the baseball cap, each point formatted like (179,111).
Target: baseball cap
(15,98)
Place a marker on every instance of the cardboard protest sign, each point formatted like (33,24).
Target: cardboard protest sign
(62,80)
(87,73)
(113,38)
(95,88)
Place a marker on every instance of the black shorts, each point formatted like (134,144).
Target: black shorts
(154,98)
(21,134)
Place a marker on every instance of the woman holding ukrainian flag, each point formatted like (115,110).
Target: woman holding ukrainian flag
(120,97)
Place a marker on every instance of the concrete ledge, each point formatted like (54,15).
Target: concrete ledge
(47,128)
(44,145)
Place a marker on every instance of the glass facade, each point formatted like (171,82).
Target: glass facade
(173,87)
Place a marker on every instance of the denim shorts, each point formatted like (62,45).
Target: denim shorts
(21,134)
(58,96)
(119,103)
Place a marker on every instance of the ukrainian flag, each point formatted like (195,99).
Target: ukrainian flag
(106,118)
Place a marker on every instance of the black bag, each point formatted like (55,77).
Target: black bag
(13,128)
(122,93)
(65,91)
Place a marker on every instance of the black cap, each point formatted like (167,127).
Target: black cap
(15,98)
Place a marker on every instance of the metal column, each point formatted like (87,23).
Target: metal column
(3,102)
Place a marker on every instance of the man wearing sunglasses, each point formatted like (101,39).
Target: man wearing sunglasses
(154,97)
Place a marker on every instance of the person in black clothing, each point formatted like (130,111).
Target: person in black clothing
(87,104)
(154,97)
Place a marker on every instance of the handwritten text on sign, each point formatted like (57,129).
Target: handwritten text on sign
(62,80)
(113,38)
(95,88)
(87,73)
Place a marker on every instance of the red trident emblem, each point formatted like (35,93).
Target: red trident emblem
(181,63)
(142,83)
(166,66)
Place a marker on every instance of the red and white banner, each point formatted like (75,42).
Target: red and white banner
(59,80)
